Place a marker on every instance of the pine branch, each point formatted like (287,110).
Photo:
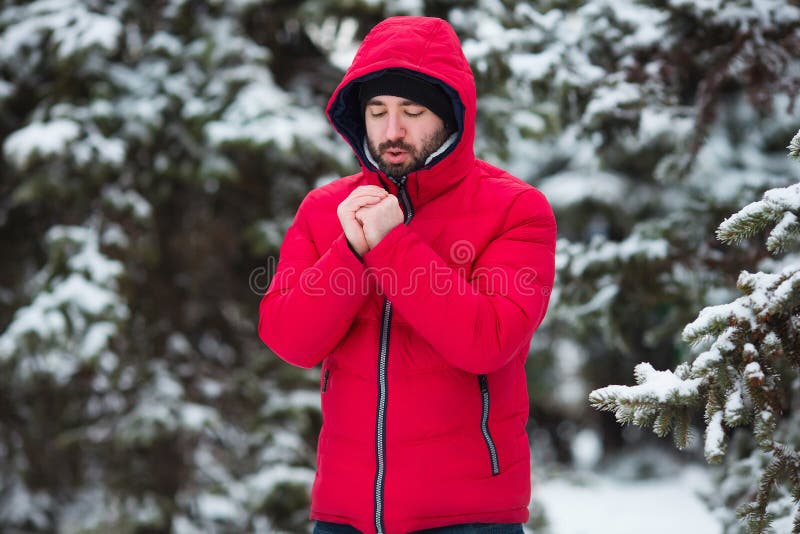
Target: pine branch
(660,399)
(756,216)
(785,233)
(794,146)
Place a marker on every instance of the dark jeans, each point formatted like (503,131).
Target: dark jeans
(323,527)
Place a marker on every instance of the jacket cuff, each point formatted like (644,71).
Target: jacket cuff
(341,246)
(380,253)
(350,246)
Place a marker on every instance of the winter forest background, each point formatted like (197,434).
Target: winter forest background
(153,155)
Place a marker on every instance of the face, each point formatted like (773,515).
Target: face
(401,134)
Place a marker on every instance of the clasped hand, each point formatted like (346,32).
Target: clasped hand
(367,215)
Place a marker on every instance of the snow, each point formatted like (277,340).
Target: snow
(639,403)
(772,207)
(295,399)
(261,114)
(96,338)
(612,100)
(338,37)
(715,437)
(128,200)
(752,371)
(794,145)
(601,300)
(570,188)
(6,89)
(86,30)
(572,390)
(197,416)
(72,26)
(788,287)
(20,505)
(219,507)
(654,123)
(40,138)
(587,449)
(42,316)
(786,198)
(783,231)
(263,482)
(536,66)
(659,506)
(601,251)
(738,311)
(734,404)
(88,260)
(707,360)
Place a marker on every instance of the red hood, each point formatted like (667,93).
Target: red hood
(428,48)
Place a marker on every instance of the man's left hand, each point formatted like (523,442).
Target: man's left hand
(379,219)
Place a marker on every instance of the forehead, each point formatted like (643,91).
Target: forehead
(388,100)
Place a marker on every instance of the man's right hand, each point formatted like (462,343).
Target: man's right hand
(364,195)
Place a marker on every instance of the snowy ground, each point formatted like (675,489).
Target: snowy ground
(604,504)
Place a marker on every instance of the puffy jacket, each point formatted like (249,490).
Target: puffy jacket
(422,341)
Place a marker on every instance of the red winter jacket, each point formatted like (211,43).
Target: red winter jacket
(423,343)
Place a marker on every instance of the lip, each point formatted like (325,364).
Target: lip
(395,156)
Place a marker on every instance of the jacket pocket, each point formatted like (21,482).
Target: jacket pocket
(483,382)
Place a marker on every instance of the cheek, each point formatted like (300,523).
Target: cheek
(374,130)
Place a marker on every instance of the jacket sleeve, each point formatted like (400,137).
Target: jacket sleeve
(476,321)
(312,299)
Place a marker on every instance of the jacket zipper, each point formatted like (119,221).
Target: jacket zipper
(383,360)
(483,381)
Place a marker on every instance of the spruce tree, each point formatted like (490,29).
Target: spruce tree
(745,376)
(644,123)
(152,156)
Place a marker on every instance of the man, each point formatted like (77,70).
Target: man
(418,283)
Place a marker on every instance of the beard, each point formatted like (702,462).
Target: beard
(418,157)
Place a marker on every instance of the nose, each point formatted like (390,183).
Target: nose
(395,129)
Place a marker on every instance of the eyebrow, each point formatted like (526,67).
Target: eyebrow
(377,102)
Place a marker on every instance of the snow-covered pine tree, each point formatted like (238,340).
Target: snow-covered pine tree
(152,155)
(746,375)
(644,123)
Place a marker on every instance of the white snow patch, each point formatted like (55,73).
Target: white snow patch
(570,188)
(219,507)
(40,138)
(587,449)
(753,372)
(534,66)
(715,437)
(609,100)
(659,506)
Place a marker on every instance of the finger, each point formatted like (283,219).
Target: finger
(373,188)
(360,202)
(368,191)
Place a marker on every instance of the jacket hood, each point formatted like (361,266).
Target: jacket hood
(427,48)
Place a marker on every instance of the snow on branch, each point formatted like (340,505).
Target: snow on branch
(794,146)
(660,399)
(779,206)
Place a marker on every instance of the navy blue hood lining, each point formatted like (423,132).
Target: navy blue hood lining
(345,113)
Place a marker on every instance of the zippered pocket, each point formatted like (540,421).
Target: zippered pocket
(483,382)
(325,377)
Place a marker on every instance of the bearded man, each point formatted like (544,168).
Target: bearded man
(418,283)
